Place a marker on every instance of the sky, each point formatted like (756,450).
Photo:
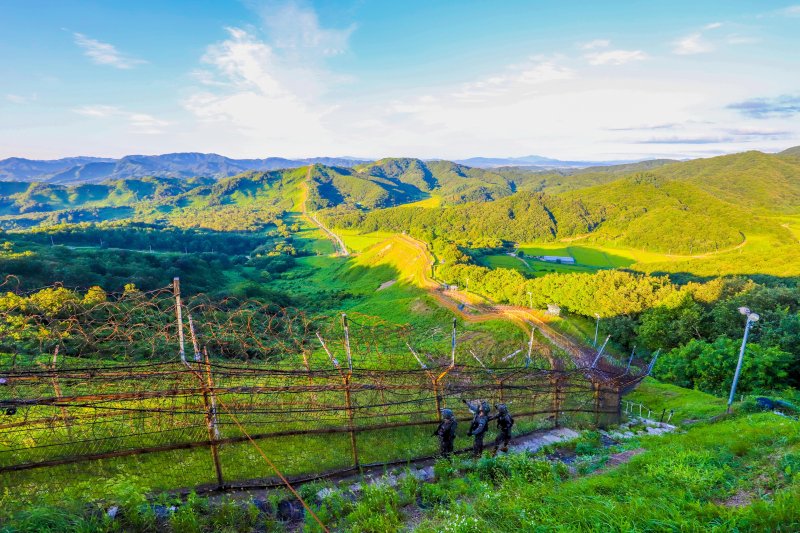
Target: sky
(371,78)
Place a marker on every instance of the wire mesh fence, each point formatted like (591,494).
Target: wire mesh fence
(128,385)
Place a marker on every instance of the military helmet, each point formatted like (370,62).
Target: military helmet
(447,413)
(487,408)
(502,408)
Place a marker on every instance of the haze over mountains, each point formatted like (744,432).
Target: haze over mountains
(74,170)
(179,165)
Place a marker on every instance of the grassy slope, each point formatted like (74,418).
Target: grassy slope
(681,482)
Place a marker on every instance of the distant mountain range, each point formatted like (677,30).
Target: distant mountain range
(536,162)
(77,170)
(73,170)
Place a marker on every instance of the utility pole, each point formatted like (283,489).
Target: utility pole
(751,317)
(530,300)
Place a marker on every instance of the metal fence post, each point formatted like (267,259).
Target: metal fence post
(211,419)
(556,402)
(350,417)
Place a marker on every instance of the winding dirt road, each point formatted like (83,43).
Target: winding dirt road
(459,302)
(338,243)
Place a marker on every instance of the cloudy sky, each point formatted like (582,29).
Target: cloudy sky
(371,78)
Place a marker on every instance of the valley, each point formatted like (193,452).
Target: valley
(645,262)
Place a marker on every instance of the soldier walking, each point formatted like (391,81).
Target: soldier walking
(504,424)
(446,433)
(480,423)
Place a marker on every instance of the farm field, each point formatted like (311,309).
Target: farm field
(435,200)
(534,267)
(358,242)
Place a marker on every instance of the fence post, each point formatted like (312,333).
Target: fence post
(57,390)
(176,286)
(346,381)
(211,419)
(348,402)
(556,402)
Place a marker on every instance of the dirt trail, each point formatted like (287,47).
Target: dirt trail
(338,243)
(459,302)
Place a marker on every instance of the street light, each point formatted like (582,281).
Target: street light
(596,329)
(751,317)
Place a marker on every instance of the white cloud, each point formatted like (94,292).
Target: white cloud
(105,53)
(265,99)
(790,11)
(297,30)
(697,43)
(615,57)
(536,71)
(692,44)
(138,122)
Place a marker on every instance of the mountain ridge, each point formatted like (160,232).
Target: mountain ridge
(77,170)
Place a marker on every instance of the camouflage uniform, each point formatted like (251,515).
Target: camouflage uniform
(504,424)
(480,424)
(446,433)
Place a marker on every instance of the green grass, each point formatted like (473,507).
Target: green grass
(589,256)
(688,405)
(533,267)
(358,242)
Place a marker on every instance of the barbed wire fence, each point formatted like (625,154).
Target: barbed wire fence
(178,391)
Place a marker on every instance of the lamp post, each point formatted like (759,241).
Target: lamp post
(751,317)
(596,329)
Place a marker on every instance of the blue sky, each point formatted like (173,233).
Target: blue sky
(368,78)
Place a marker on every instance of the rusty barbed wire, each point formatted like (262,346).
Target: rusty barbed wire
(88,377)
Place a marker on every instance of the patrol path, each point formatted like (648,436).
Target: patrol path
(338,243)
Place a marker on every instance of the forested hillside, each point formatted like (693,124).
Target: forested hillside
(688,208)
(704,206)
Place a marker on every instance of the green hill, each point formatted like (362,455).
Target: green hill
(687,208)
(396,181)
(766,182)
(793,151)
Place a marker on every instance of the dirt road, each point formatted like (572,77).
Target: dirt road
(460,303)
(338,243)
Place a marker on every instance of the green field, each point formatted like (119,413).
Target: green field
(358,242)
(589,256)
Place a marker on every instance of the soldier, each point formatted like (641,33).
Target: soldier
(504,424)
(446,433)
(480,423)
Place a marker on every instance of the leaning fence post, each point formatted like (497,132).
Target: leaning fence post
(176,286)
(195,345)
(347,397)
(211,419)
